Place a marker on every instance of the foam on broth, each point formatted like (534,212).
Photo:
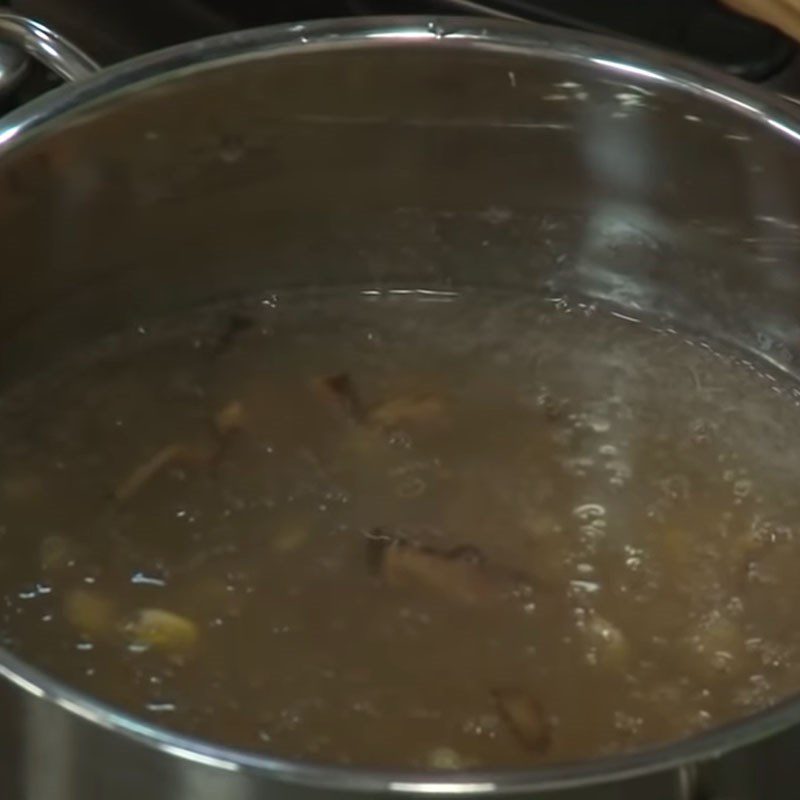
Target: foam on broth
(407,529)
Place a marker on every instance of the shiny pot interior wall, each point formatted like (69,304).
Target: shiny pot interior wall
(433,162)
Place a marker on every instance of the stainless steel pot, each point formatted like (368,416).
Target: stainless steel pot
(398,152)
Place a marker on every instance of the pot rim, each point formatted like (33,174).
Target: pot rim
(153,69)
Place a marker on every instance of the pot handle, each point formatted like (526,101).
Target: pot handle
(46,46)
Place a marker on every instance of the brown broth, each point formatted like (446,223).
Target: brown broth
(407,529)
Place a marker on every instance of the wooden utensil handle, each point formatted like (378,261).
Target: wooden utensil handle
(782,14)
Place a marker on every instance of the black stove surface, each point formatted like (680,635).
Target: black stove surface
(111,30)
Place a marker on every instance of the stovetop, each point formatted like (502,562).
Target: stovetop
(110,30)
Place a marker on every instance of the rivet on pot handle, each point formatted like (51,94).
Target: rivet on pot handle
(46,46)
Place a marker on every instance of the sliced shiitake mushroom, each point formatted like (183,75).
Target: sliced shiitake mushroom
(416,407)
(227,421)
(176,454)
(460,574)
(411,408)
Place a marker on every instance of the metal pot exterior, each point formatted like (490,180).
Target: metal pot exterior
(50,752)
(390,153)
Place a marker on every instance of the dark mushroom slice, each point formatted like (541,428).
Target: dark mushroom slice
(523,715)
(460,574)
